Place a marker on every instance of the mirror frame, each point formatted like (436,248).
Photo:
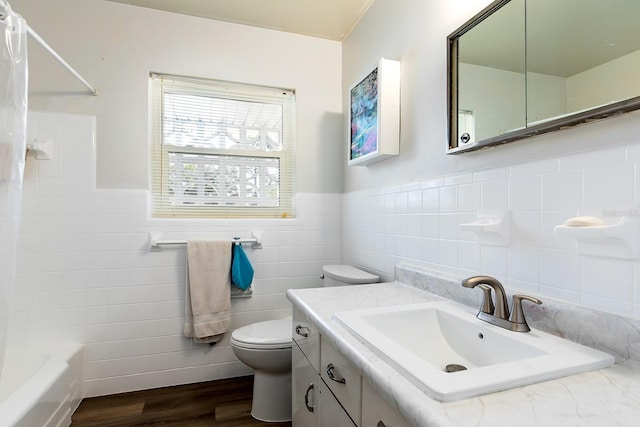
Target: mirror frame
(565,122)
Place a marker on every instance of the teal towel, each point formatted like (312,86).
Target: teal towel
(241,269)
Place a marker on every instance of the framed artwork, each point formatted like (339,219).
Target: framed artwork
(374,115)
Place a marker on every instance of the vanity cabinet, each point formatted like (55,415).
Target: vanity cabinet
(327,390)
(377,412)
(312,403)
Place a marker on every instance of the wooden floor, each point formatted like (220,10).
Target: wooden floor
(214,403)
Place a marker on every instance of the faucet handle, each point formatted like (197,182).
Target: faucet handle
(487,301)
(517,315)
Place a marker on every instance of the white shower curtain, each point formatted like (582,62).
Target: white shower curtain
(13,127)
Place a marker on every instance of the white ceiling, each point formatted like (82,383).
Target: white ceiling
(329,19)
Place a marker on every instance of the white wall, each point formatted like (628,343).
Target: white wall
(416,35)
(85,274)
(115,46)
(410,207)
(419,222)
(84,271)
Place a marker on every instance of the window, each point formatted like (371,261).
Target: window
(221,149)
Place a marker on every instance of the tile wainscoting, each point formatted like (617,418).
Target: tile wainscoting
(84,273)
(420,223)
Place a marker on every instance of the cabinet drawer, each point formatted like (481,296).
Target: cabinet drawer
(306,335)
(377,412)
(342,378)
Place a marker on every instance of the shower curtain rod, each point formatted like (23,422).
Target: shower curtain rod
(4,8)
(62,62)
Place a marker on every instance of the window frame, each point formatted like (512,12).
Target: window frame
(163,204)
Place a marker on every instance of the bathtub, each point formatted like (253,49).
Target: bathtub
(41,388)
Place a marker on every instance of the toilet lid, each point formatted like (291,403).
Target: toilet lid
(268,334)
(349,274)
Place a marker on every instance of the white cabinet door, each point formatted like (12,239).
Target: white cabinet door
(304,390)
(330,413)
(312,403)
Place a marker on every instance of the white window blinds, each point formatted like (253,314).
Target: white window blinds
(221,149)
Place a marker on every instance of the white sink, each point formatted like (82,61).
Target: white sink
(430,342)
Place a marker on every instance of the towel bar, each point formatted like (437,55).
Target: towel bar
(154,243)
(239,293)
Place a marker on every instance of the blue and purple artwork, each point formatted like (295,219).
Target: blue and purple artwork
(364,116)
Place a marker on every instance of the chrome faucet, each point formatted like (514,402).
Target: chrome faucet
(498,313)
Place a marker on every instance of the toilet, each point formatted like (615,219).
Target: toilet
(266,347)
(342,274)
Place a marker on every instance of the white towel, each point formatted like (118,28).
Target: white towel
(208,290)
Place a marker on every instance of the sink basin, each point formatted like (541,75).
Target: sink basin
(445,351)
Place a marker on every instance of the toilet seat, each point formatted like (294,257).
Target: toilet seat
(267,335)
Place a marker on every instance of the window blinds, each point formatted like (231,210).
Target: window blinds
(221,149)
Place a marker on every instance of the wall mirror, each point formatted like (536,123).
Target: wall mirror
(525,67)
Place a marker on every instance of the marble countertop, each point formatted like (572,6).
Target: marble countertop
(607,397)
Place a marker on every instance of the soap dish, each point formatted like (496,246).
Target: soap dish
(491,229)
(596,237)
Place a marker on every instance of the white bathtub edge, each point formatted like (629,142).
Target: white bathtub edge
(49,397)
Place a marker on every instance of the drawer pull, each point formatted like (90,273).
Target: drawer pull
(303,331)
(331,375)
(381,424)
(306,398)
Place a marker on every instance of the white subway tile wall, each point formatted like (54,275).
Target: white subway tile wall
(85,274)
(537,195)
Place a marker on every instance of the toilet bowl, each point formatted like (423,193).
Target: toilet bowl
(266,347)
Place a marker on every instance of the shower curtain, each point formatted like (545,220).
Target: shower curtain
(13,127)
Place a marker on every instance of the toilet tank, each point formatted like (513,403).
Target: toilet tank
(342,274)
